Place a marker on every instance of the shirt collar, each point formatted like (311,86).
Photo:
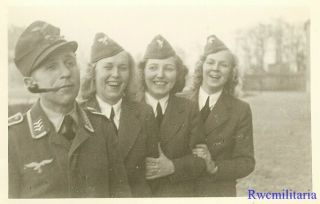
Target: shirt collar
(106,109)
(57,118)
(154,102)
(213,98)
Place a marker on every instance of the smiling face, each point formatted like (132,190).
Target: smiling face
(59,69)
(217,69)
(112,76)
(160,76)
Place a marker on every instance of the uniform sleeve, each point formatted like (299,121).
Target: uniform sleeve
(152,132)
(242,162)
(119,186)
(13,169)
(190,166)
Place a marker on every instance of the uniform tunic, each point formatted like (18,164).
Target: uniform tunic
(179,132)
(138,139)
(228,131)
(44,164)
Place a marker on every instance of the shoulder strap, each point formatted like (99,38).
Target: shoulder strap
(15,119)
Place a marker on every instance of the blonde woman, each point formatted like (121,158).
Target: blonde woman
(227,120)
(106,90)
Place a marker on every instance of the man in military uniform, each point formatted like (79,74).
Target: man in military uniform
(57,149)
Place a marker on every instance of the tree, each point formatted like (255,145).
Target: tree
(288,41)
(258,36)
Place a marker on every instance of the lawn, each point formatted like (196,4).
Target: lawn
(282,140)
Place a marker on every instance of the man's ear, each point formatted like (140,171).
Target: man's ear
(31,84)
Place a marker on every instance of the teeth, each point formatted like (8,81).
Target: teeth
(160,83)
(113,83)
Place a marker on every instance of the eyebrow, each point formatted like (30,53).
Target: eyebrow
(152,64)
(221,61)
(126,64)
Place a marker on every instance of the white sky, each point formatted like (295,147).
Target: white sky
(133,26)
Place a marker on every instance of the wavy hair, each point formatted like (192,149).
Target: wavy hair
(88,85)
(182,71)
(229,87)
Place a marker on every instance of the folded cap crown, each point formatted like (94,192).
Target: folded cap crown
(214,45)
(159,48)
(103,47)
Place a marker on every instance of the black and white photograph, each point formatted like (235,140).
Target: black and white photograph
(160,99)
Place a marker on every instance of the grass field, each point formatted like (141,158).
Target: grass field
(282,142)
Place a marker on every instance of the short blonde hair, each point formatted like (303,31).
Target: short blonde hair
(231,84)
(88,85)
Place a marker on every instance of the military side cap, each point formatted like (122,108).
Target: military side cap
(103,47)
(214,45)
(159,48)
(36,43)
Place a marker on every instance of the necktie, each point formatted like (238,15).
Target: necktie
(205,111)
(67,127)
(159,114)
(112,114)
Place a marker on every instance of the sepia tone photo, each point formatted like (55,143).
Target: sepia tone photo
(159,101)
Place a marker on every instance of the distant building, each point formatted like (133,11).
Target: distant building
(285,66)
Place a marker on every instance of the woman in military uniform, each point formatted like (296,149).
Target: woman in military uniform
(162,74)
(57,149)
(106,89)
(228,151)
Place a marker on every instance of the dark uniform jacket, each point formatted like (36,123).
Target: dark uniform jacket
(228,131)
(138,139)
(180,131)
(44,164)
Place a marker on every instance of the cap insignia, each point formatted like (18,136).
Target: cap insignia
(211,39)
(103,40)
(160,43)
(46,35)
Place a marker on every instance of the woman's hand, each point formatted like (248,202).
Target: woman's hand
(158,167)
(202,151)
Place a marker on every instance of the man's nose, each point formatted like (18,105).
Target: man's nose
(66,72)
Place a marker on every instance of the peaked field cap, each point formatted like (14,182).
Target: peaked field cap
(36,43)
(159,48)
(103,47)
(213,45)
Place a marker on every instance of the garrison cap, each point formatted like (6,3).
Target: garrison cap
(214,45)
(159,48)
(36,43)
(103,47)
